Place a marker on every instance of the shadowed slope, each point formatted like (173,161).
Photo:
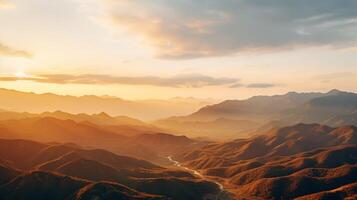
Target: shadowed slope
(17,153)
(277,142)
(135,143)
(7,174)
(347,192)
(41,186)
(94,166)
(106,190)
(51,129)
(301,183)
(27,154)
(46,185)
(283,163)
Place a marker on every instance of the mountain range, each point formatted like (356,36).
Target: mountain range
(32,170)
(291,146)
(283,163)
(13,100)
(121,135)
(228,119)
(334,108)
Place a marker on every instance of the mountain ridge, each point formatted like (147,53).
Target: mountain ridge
(64,172)
(280,163)
(145,110)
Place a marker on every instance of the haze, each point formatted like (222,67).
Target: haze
(207,49)
(178,99)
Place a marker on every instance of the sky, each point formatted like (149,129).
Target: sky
(139,49)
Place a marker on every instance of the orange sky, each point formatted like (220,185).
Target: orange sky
(160,49)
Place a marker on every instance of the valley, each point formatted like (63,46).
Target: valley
(123,157)
(223,194)
(178,100)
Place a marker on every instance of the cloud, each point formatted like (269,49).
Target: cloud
(8,51)
(261,85)
(13,78)
(179,81)
(181,29)
(5,4)
(237,85)
(253,85)
(188,80)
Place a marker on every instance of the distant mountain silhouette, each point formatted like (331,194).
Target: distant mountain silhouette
(337,109)
(13,100)
(119,124)
(238,118)
(257,108)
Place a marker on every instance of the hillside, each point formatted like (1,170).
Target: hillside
(344,192)
(27,155)
(276,142)
(138,142)
(90,172)
(281,162)
(336,110)
(117,124)
(258,108)
(46,185)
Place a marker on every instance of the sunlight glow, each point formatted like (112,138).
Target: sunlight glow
(21,74)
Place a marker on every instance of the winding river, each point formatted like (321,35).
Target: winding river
(222,195)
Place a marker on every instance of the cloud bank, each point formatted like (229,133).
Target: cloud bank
(181,29)
(254,85)
(179,81)
(189,81)
(261,85)
(8,51)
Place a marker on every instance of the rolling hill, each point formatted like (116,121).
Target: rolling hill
(46,185)
(283,163)
(67,172)
(119,124)
(137,141)
(348,192)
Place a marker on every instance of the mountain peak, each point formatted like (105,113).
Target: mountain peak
(334,92)
(103,114)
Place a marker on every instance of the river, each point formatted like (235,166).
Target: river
(222,195)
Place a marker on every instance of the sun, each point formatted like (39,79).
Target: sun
(21,74)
